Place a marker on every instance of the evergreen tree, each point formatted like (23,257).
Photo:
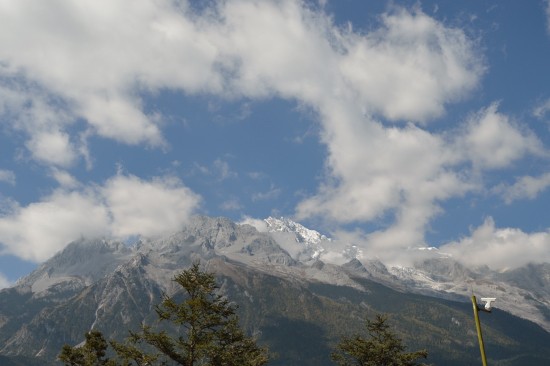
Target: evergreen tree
(382,348)
(209,333)
(92,353)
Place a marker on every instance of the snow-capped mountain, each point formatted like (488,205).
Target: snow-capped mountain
(280,281)
(524,292)
(76,266)
(310,238)
(305,244)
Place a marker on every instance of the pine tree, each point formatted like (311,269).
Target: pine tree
(382,348)
(209,325)
(91,354)
(209,333)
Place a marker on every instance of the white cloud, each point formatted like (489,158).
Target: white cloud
(4,282)
(98,57)
(29,110)
(272,193)
(64,178)
(52,147)
(402,172)
(543,108)
(201,169)
(40,229)
(95,59)
(408,69)
(257,175)
(493,141)
(124,206)
(120,119)
(259,224)
(7,176)
(500,248)
(232,204)
(223,170)
(218,169)
(524,187)
(277,48)
(147,208)
(411,67)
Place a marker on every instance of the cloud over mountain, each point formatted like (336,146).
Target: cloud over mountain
(124,206)
(500,248)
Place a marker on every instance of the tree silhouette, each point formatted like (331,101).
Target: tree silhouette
(92,353)
(382,347)
(209,333)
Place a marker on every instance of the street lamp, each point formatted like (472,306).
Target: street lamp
(487,308)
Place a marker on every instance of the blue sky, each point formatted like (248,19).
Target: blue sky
(392,125)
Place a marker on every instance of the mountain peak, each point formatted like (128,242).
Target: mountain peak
(303,234)
(81,263)
(310,242)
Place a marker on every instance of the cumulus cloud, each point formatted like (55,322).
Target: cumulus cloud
(379,171)
(492,140)
(147,208)
(36,231)
(500,248)
(64,178)
(27,109)
(96,60)
(259,224)
(7,176)
(404,173)
(411,67)
(122,207)
(96,63)
(525,187)
(52,147)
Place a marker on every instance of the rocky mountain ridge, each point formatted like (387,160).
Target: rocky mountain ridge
(111,286)
(523,291)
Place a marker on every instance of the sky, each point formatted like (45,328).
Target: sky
(390,125)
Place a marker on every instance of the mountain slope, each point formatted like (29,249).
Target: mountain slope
(299,310)
(524,291)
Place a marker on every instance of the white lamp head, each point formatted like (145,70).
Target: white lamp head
(488,301)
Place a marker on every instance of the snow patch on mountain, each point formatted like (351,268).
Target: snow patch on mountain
(306,245)
(288,249)
(80,264)
(303,235)
(300,242)
(524,292)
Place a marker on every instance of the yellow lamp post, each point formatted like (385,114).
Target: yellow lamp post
(487,308)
